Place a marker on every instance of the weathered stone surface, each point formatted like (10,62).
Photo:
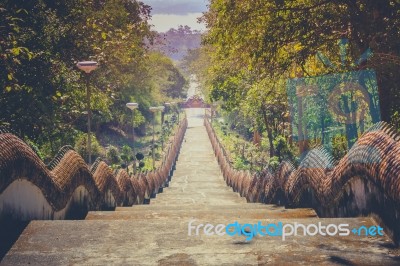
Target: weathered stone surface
(157,241)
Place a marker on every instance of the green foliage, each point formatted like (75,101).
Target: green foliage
(11,51)
(240,163)
(141,164)
(395,120)
(126,154)
(166,77)
(81,146)
(243,154)
(112,155)
(339,147)
(282,148)
(115,167)
(43,40)
(253,47)
(35,148)
(148,164)
(139,156)
(274,163)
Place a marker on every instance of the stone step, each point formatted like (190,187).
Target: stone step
(216,185)
(195,202)
(197,175)
(199,167)
(182,187)
(197,196)
(192,183)
(229,212)
(166,242)
(187,190)
(157,207)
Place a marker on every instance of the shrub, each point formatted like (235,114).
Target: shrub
(395,121)
(112,155)
(274,163)
(35,148)
(81,146)
(282,148)
(240,163)
(126,154)
(339,147)
(139,156)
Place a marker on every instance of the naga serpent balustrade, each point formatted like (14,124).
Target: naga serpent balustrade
(366,181)
(67,188)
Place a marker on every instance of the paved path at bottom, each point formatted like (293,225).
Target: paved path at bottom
(157,234)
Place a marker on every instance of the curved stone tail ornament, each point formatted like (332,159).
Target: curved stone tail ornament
(66,188)
(366,181)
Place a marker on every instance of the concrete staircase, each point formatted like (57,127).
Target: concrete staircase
(157,234)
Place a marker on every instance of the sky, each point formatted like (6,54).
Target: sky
(168,14)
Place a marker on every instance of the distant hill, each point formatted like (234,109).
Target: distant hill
(176,42)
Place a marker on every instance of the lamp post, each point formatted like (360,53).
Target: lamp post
(87,67)
(133,106)
(154,109)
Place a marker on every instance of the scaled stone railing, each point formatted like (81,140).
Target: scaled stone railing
(67,188)
(364,182)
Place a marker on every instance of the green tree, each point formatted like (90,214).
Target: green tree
(255,46)
(112,155)
(126,155)
(81,147)
(45,39)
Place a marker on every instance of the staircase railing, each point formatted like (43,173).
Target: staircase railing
(67,187)
(366,181)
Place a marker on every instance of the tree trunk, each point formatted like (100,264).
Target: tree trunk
(269,132)
(351,126)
